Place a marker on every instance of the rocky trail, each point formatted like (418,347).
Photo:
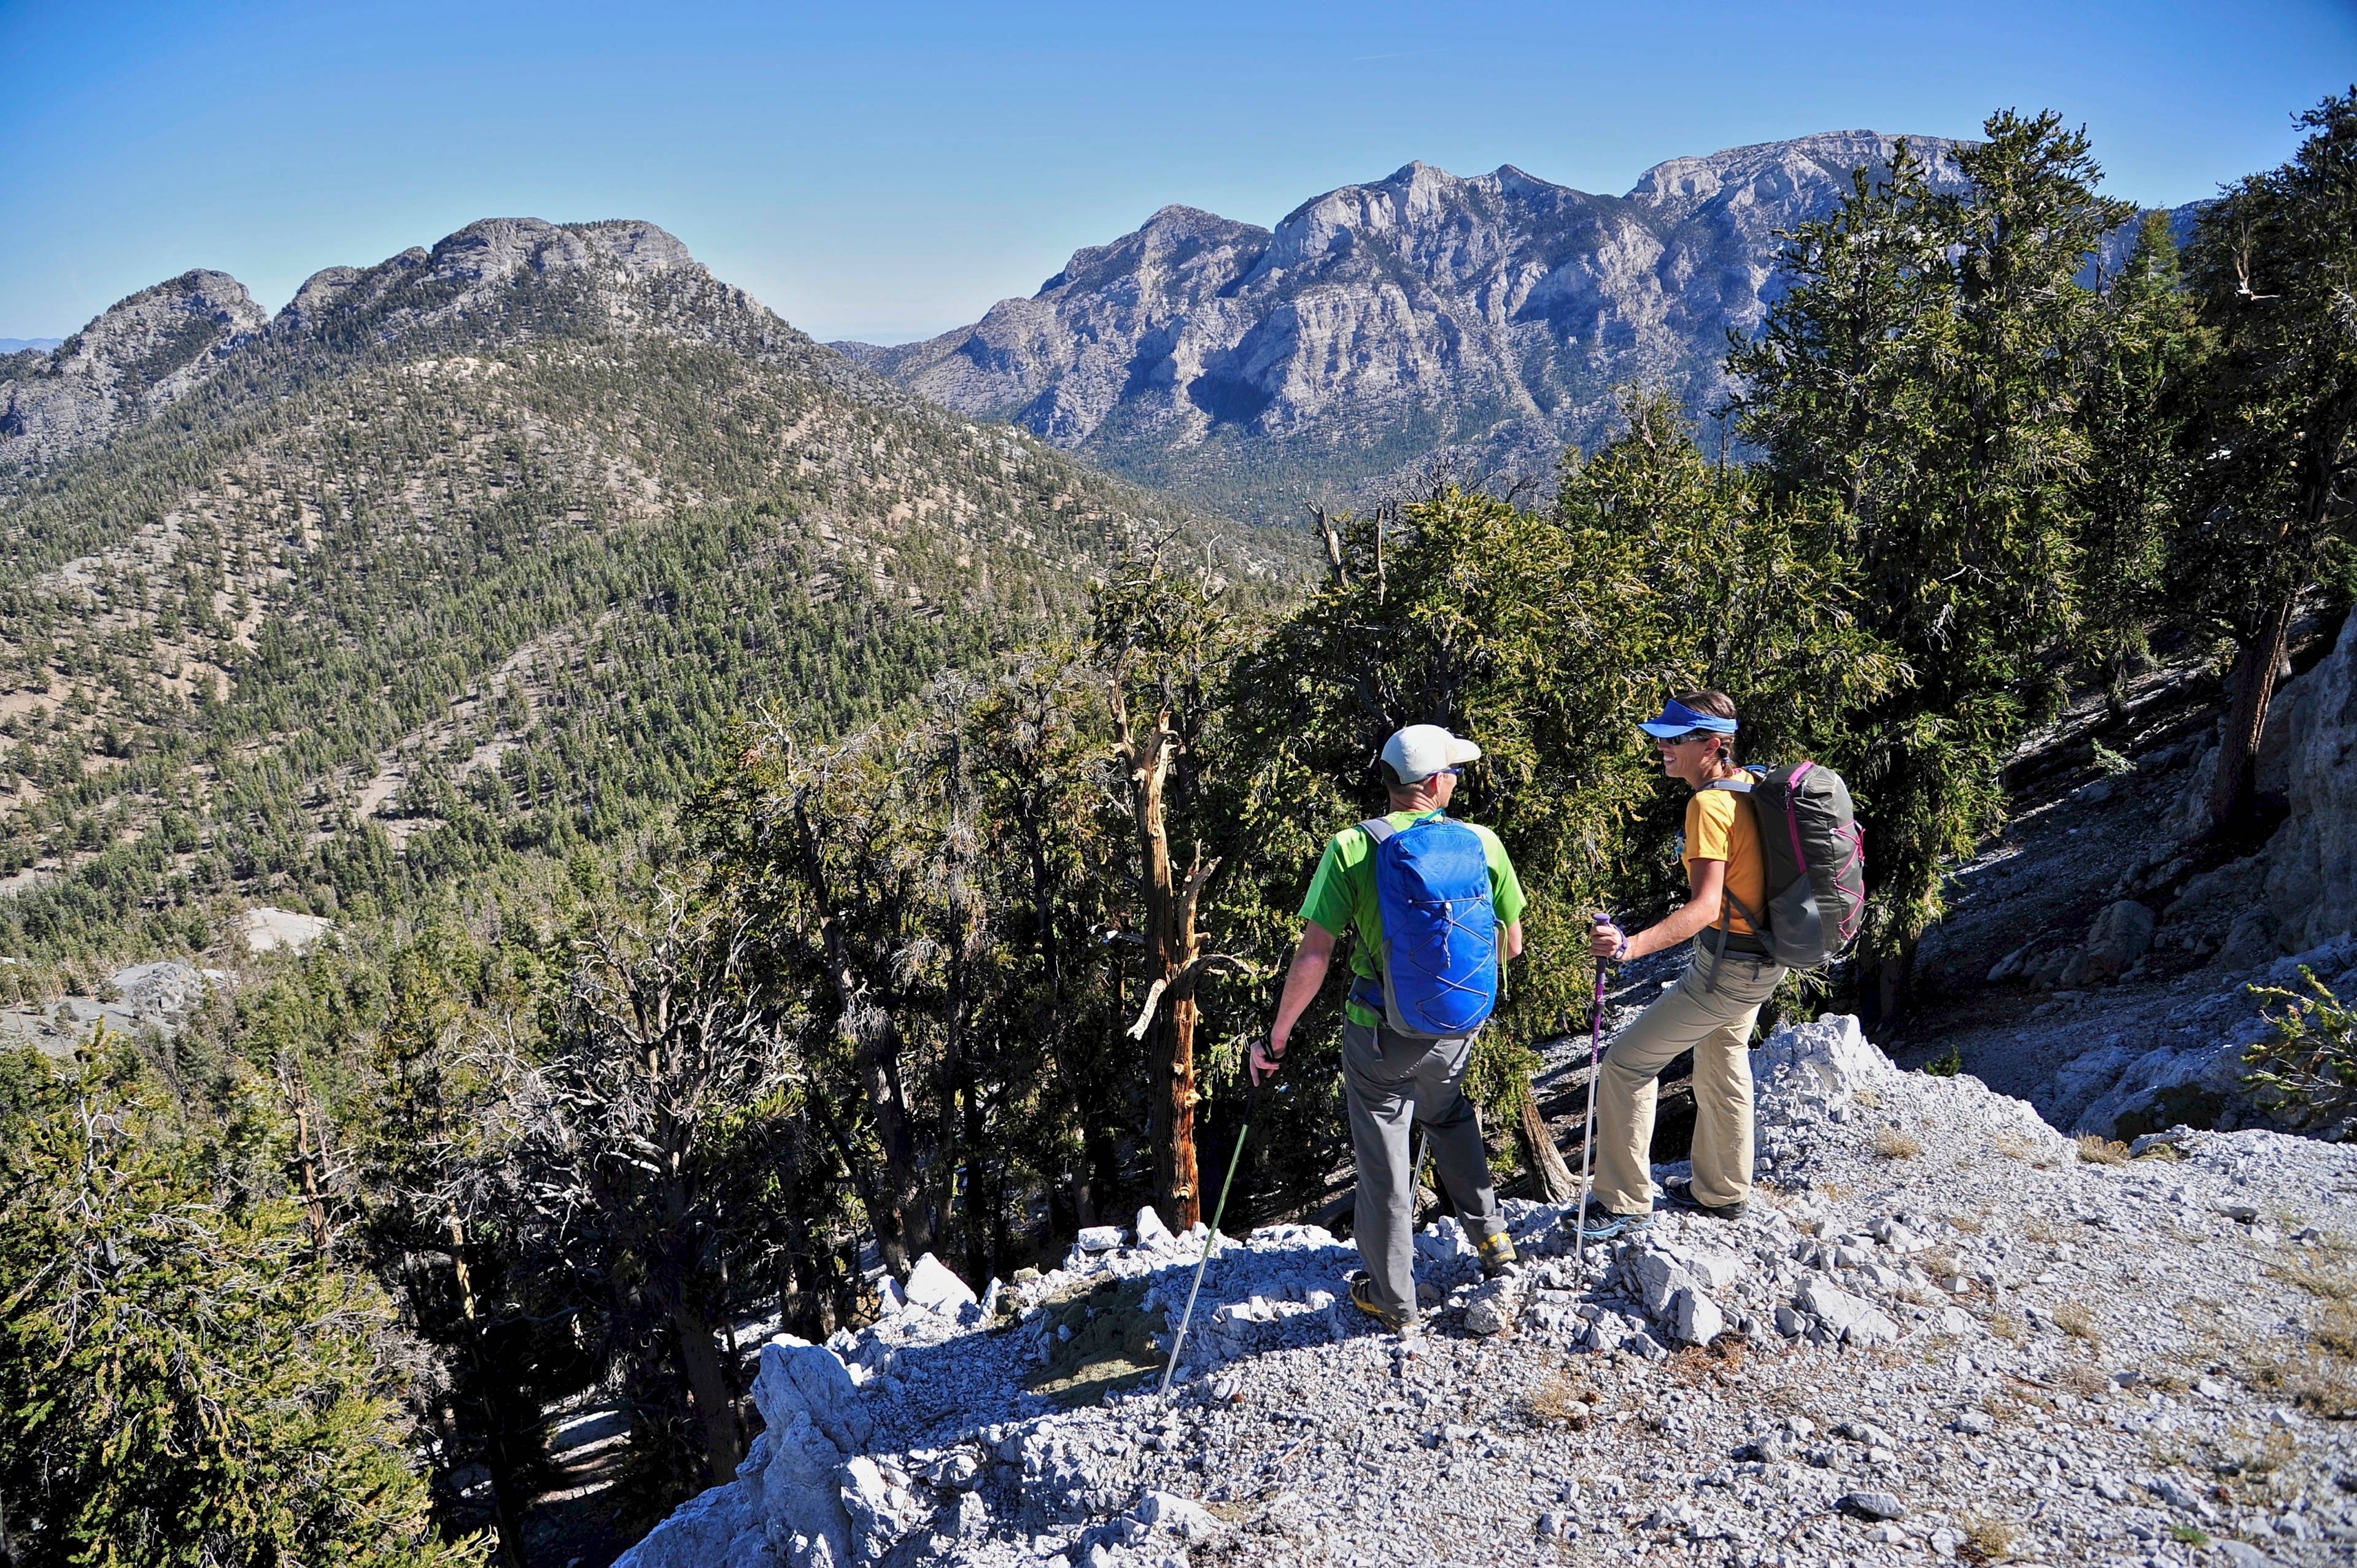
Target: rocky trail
(1945,1332)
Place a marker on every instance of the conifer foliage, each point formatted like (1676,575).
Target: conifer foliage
(183,1381)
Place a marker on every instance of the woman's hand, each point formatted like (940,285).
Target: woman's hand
(1267,1055)
(1607,941)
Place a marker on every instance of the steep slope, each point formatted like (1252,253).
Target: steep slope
(1492,317)
(472,554)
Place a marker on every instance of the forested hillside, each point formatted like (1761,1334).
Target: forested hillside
(469,555)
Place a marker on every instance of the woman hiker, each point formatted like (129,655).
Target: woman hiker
(1713,1005)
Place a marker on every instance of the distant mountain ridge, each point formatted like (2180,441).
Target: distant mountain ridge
(1492,317)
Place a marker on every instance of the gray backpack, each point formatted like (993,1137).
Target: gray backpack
(1815,854)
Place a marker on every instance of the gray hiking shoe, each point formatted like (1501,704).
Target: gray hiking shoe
(1606,1226)
(1681,1193)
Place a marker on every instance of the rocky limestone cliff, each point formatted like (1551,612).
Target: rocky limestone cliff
(138,356)
(1488,319)
(2311,879)
(2099,955)
(153,349)
(1495,315)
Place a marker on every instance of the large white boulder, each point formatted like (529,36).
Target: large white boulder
(1834,1053)
(813,1425)
(267,929)
(716,1528)
(933,1287)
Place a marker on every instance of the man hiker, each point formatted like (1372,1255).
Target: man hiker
(1713,1005)
(1420,992)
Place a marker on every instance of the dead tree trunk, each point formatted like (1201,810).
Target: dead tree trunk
(310,1156)
(2249,692)
(1551,1178)
(1147,756)
(708,1385)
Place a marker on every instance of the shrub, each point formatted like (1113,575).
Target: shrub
(2306,1069)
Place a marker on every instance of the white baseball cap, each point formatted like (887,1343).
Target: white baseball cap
(1420,751)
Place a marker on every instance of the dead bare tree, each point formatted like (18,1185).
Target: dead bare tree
(660,1039)
(1164,640)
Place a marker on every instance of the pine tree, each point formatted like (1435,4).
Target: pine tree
(182,1380)
(2272,442)
(1923,372)
(2145,348)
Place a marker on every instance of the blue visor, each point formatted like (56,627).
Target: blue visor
(1677,719)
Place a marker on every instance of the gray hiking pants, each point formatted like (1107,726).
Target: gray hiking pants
(1391,1081)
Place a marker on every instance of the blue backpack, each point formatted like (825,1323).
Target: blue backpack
(1439,957)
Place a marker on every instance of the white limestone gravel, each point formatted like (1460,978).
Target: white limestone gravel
(1941,1334)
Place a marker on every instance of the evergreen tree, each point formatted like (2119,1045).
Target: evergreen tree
(183,1381)
(2145,348)
(2272,444)
(1924,372)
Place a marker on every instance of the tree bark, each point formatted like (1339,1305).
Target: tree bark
(901,1233)
(707,1382)
(2249,692)
(310,1157)
(508,1503)
(1167,920)
(1550,1178)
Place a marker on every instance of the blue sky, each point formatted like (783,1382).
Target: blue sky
(887,170)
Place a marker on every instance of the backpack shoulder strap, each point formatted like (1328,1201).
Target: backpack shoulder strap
(1377,829)
(1732,786)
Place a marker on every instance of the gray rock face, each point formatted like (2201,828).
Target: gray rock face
(2120,936)
(1493,315)
(139,356)
(161,995)
(156,347)
(2311,888)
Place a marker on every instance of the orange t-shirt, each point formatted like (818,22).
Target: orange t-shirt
(1720,826)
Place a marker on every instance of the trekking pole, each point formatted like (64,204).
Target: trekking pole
(1211,1238)
(1587,1137)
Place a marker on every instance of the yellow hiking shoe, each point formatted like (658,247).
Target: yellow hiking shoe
(1498,1255)
(1363,1297)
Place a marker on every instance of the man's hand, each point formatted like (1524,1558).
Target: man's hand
(1267,1055)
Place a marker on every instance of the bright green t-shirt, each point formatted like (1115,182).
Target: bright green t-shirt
(1342,895)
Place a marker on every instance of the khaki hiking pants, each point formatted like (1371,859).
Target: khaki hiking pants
(1709,1010)
(1391,1081)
